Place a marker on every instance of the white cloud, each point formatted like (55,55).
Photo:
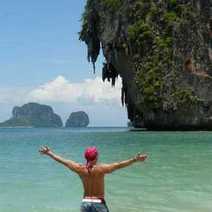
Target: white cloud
(89,91)
(60,90)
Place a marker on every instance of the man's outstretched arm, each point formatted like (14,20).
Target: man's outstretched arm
(76,167)
(108,168)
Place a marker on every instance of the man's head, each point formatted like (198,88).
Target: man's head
(91,156)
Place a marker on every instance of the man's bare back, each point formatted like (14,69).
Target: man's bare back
(92,176)
(93,181)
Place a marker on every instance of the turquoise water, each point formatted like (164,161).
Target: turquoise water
(177,176)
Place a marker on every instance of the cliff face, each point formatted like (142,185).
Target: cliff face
(77,119)
(162,51)
(33,115)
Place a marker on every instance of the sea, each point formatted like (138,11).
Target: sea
(177,177)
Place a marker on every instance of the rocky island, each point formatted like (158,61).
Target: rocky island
(77,119)
(163,51)
(33,115)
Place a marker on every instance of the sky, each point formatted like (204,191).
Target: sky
(42,60)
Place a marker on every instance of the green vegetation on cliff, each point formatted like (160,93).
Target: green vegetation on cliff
(112,4)
(152,36)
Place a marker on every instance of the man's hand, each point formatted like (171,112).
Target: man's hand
(141,157)
(45,150)
(74,166)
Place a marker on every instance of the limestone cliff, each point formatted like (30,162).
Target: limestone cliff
(162,51)
(77,119)
(33,115)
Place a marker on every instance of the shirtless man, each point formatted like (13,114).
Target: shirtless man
(92,176)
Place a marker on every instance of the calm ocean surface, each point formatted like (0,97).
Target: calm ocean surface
(176,178)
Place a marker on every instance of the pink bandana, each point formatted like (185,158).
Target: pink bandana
(91,154)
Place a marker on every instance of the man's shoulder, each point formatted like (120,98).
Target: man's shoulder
(104,168)
(102,165)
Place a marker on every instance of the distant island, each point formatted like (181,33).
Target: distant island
(77,119)
(33,115)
